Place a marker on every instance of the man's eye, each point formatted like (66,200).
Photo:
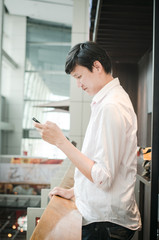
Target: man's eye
(79,77)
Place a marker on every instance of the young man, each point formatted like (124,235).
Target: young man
(106,167)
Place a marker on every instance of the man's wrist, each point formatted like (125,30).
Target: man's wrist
(71,193)
(61,143)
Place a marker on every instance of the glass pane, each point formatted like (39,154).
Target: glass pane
(47,32)
(58,84)
(44,57)
(45,86)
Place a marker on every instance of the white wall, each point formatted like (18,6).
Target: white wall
(14,39)
(79,101)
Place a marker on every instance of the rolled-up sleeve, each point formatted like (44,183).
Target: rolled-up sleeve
(109,148)
(100,177)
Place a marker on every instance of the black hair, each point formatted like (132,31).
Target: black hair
(85,54)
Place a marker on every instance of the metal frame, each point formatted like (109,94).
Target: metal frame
(155,128)
(1,37)
(97,20)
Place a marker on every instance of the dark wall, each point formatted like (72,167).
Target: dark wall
(128,76)
(136,79)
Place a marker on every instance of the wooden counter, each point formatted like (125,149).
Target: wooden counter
(60,221)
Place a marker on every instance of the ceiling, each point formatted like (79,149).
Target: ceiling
(59,11)
(123,28)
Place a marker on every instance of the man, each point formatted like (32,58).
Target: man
(106,167)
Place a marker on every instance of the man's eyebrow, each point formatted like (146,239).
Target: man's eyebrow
(75,75)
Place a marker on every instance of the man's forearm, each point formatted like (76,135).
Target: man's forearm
(83,163)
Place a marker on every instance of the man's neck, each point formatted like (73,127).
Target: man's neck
(106,79)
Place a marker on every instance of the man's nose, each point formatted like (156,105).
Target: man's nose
(79,84)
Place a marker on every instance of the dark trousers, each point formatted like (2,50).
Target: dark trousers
(106,231)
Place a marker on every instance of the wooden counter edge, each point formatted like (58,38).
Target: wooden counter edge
(60,220)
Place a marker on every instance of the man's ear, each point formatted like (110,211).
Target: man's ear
(97,65)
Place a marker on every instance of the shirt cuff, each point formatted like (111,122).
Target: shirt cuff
(100,177)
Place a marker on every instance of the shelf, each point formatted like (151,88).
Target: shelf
(144,180)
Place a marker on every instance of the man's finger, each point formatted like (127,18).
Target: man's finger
(38,125)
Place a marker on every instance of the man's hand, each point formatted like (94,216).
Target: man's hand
(51,133)
(62,192)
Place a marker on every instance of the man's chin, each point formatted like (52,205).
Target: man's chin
(89,92)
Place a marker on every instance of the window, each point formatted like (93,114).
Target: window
(45,81)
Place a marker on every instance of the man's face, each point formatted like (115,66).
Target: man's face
(86,79)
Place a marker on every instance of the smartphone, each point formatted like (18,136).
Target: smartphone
(35,120)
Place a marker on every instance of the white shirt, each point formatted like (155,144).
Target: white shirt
(110,141)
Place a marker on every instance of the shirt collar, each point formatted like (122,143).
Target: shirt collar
(103,92)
